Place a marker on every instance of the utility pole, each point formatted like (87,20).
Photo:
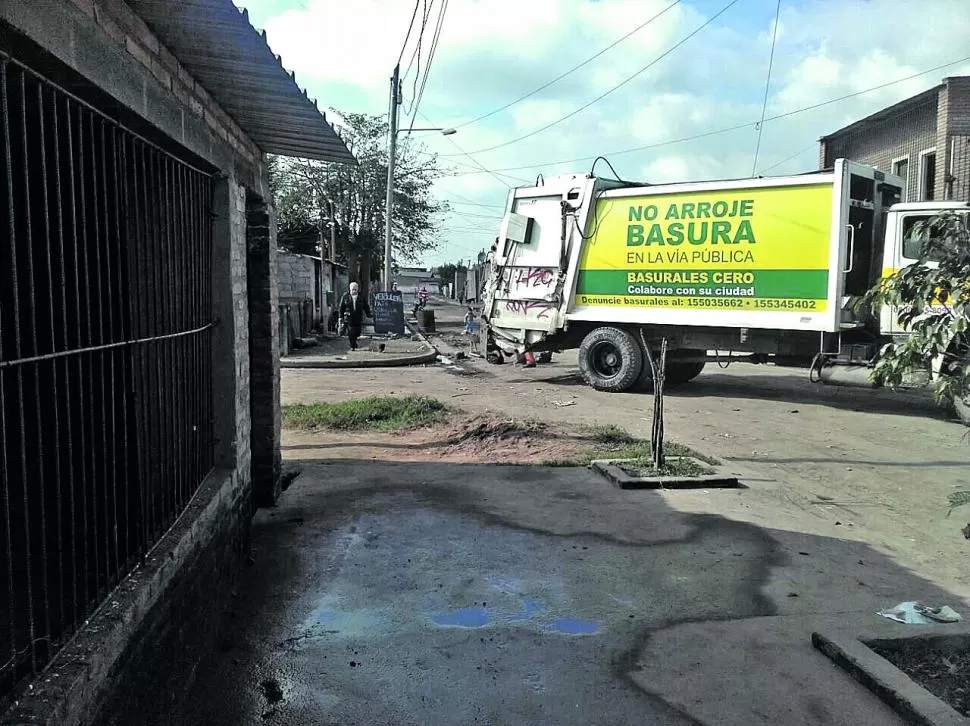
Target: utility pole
(391,152)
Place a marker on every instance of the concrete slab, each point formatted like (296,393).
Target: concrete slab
(395,593)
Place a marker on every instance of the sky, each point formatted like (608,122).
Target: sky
(491,52)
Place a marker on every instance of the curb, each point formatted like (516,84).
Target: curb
(900,692)
(608,468)
(413,360)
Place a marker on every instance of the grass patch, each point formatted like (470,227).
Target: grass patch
(382,413)
(671,467)
(613,442)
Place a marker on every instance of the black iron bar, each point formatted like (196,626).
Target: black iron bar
(77,592)
(57,220)
(99,453)
(17,347)
(90,515)
(41,488)
(4,474)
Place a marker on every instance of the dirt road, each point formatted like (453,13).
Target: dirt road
(863,465)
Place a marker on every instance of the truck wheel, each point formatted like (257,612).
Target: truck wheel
(677,373)
(680,373)
(610,359)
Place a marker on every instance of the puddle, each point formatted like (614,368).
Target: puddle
(463,618)
(573,626)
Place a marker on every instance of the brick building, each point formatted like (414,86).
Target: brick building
(924,139)
(139,366)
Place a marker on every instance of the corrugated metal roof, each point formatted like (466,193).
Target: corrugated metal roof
(216,43)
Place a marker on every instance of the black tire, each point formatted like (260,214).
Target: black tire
(678,373)
(544,357)
(610,359)
(495,357)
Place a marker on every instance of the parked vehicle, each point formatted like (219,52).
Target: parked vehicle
(764,270)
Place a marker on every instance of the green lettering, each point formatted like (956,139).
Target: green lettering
(636,214)
(675,233)
(655,235)
(720,209)
(687,211)
(701,236)
(720,232)
(747,208)
(672,212)
(634,234)
(745,233)
(703,209)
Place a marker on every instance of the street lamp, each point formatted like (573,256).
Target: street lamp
(391,153)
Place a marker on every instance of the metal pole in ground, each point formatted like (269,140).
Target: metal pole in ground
(391,152)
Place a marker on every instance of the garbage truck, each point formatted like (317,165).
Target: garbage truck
(762,270)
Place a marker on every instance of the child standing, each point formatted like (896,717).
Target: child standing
(470,322)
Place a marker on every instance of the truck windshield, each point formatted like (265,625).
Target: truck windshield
(913,240)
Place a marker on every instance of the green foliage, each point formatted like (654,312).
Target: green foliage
(446,272)
(311,195)
(384,413)
(932,300)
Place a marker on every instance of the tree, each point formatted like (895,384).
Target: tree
(931,299)
(310,195)
(447,271)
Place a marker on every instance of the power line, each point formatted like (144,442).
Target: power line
(730,128)
(425,14)
(558,78)
(764,105)
(427,70)
(787,158)
(410,28)
(474,204)
(476,162)
(614,88)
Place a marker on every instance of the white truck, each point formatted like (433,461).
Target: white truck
(764,270)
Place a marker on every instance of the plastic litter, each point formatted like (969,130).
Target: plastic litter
(561,404)
(916,613)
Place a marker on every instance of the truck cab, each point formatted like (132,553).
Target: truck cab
(902,246)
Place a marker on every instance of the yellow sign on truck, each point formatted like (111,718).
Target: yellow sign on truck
(746,249)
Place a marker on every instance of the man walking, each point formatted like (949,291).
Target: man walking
(353,308)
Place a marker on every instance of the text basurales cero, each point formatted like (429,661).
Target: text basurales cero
(696,223)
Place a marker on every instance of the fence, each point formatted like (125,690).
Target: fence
(297,320)
(105,373)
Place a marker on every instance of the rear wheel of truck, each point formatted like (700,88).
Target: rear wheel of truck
(610,359)
(677,374)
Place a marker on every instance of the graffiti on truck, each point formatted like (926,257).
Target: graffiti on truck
(528,307)
(531,278)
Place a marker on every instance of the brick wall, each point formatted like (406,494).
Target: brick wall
(905,134)
(130,32)
(297,275)
(264,351)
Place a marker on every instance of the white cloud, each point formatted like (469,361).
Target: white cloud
(493,51)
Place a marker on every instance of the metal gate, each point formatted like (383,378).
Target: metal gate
(105,359)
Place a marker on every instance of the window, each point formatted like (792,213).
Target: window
(927,175)
(900,168)
(912,242)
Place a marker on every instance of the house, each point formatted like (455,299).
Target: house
(410,279)
(924,139)
(139,333)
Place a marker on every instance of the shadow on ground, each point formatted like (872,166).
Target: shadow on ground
(417,593)
(761,386)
